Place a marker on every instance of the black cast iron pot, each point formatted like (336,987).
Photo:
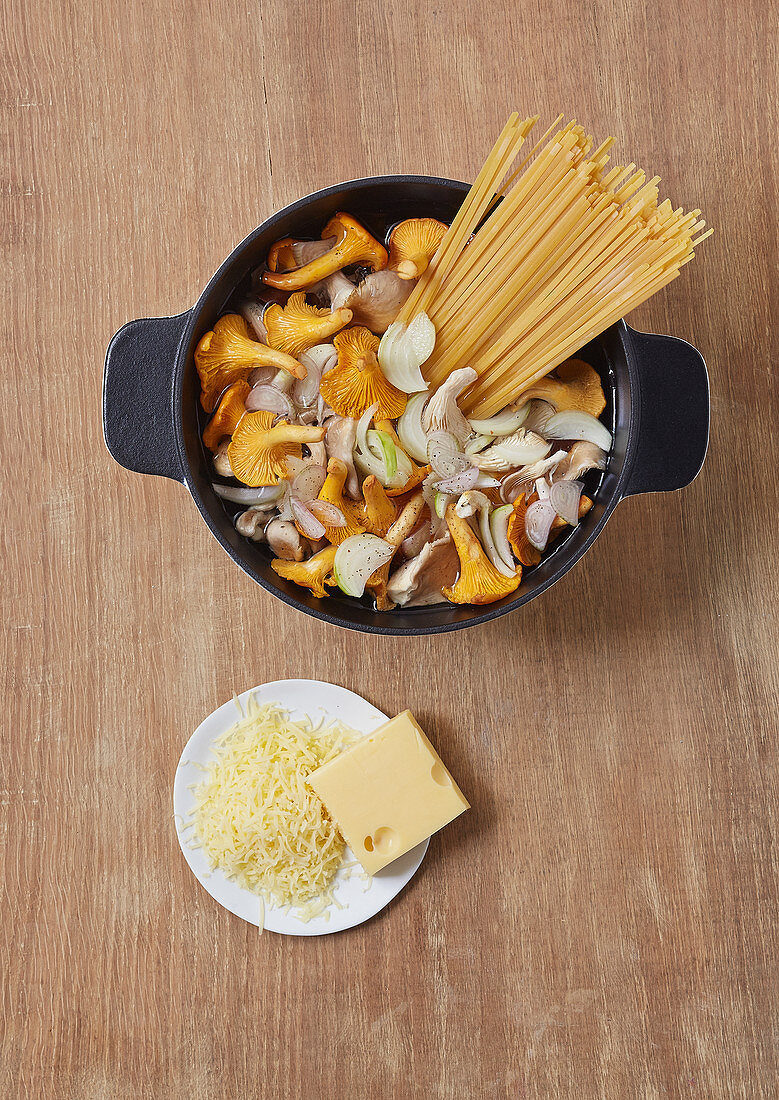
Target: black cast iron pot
(657,389)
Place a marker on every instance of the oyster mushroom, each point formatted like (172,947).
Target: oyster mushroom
(353,245)
(375,302)
(442,412)
(582,456)
(340,441)
(284,540)
(419,582)
(228,354)
(222,460)
(231,407)
(252,524)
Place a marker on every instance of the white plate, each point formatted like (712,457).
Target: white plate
(360,901)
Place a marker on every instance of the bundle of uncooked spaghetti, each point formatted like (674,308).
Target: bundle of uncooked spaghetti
(562,249)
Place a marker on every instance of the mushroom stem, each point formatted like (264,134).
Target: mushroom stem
(353,245)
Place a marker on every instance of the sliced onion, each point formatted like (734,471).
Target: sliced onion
(265,494)
(268,398)
(538,523)
(261,375)
(412,546)
(308,483)
(539,415)
(403,350)
(573,424)
(474,503)
(326,513)
(504,423)
(520,481)
(380,442)
(564,496)
(307,522)
(478,443)
(499,525)
(460,483)
(444,454)
(356,559)
(252,313)
(317,360)
(410,430)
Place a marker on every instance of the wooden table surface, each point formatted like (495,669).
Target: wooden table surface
(603,922)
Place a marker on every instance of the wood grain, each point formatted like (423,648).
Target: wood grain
(603,923)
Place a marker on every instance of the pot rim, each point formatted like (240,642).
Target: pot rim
(417,625)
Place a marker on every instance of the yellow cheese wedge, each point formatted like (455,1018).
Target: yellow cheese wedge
(388,792)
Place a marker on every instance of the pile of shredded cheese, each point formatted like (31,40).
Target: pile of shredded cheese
(256,819)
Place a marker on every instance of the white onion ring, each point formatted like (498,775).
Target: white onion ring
(327,513)
(538,523)
(266,398)
(564,496)
(308,483)
(265,494)
(308,524)
(444,454)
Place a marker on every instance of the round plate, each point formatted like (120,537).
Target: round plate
(360,900)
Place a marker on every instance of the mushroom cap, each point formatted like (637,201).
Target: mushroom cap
(259,450)
(442,412)
(376,301)
(479,581)
(413,243)
(576,386)
(523,549)
(314,573)
(231,407)
(353,245)
(228,354)
(356,381)
(353,239)
(419,582)
(332,492)
(379,511)
(298,326)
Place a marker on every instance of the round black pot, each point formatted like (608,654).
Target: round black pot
(657,388)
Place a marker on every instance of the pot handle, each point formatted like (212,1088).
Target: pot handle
(138,395)
(673,397)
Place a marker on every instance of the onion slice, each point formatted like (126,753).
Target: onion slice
(403,350)
(499,525)
(356,559)
(327,513)
(564,496)
(444,455)
(573,424)
(265,494)
(307,522)
(308,483)
(410,430)
(267,398)
(538,523)
(505,423)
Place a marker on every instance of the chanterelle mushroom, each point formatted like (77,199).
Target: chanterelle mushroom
(231,407)
(259,449)
(298,326)
(353,245)
(228,354)
(413,244)
(340,441)
(284,540)
(479,581)
(356,381)
(442,412)
(418,583)
(577,386)
(314,573)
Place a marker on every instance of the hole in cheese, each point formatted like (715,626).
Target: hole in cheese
(440,775)
(368,844)
(385,839)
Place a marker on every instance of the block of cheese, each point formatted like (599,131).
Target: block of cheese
(388,792)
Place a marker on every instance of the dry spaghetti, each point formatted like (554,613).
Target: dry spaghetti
(568,249)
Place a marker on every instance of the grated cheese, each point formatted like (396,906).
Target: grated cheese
(256,819)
